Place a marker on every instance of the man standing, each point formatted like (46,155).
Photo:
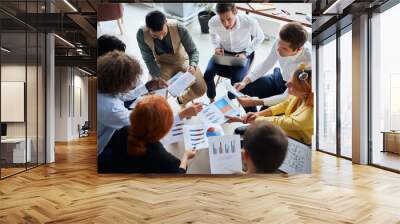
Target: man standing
(167,48)
(231,33)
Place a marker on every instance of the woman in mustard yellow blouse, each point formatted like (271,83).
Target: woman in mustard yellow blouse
(295,115)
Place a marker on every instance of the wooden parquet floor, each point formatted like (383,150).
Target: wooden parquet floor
(71,191)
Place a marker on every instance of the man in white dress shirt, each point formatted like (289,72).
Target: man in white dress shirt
(231,33)
(290,50)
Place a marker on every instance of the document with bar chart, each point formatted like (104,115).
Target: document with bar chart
(215,112)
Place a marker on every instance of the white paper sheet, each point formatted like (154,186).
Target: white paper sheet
(225,154)
(232,89)
(161,92)
(137,92)
(215,112)
(179,83)
(175,134)
(298,158)
(195,137)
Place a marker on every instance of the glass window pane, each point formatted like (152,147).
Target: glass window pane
(346,94)
(13,87)
(327,97)
(385,84)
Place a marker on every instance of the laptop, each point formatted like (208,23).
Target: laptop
(229,60)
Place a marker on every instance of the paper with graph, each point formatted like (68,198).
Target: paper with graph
(215,112)
(225,154)
(175,134)
(180,82)
(298,158)
(195,137)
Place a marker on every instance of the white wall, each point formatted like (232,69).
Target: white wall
(71,94)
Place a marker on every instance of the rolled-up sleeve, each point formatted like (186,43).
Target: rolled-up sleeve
(257,34)
(189,45)
(215,39)
(147,55)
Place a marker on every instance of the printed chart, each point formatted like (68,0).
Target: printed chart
(195,137)
(179,82)
(225,154)
(175,134)
(215,112)
(298,158)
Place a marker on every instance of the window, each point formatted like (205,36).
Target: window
(346,93)
(385,89)
(327,96)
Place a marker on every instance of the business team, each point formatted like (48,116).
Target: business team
(129,139)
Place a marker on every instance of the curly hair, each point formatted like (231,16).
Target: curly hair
(117,72)
(151,120)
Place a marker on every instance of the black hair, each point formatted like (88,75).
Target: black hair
(225,7)
(108,43)
(155,20)
(266,145)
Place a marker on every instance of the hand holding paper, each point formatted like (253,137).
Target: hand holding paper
(231,89)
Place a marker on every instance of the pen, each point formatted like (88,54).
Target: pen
(286,12)
(300,13)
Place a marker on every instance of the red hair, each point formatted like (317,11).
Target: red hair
(151,120)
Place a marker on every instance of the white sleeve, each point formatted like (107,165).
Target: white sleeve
(215,39)
(265,66)
(117,118)
(257,34)
(273,100)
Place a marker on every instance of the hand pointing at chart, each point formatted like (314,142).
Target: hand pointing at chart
(191,110)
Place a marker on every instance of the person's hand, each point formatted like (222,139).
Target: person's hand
(240,85)
(250,101)
(189,154)
(219,51)
(155,84)
(241,55)
(191,69)
(233,119)
(191,110)
(249,117)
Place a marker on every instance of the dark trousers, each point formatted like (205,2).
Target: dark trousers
(266,86)
(234,73)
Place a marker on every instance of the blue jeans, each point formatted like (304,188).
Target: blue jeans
(234,73)
(266,86)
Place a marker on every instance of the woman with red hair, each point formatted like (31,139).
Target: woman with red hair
(142,152)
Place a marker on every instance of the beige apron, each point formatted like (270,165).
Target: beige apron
(178,61)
